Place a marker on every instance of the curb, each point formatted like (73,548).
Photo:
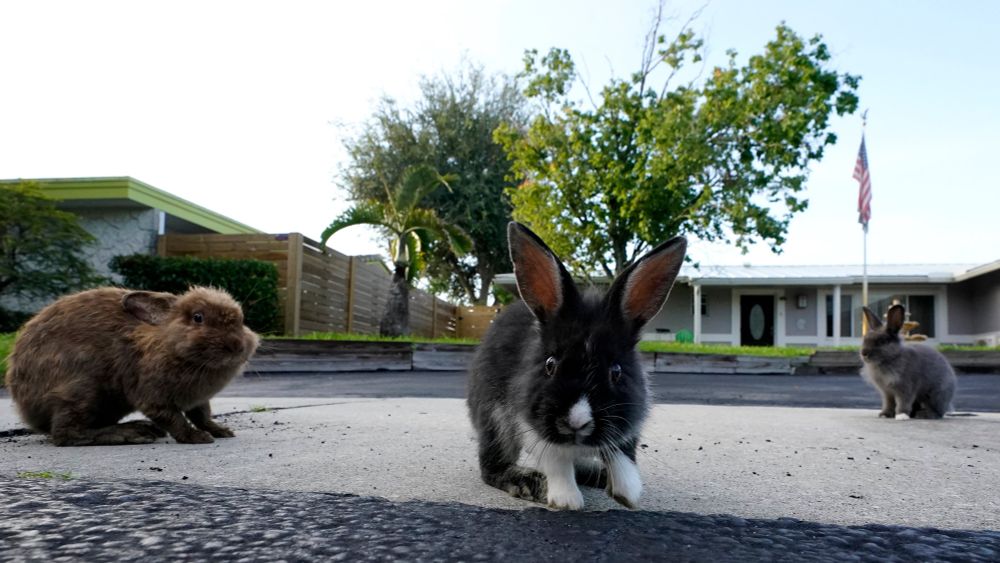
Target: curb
(296,357)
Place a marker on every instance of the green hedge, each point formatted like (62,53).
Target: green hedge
(253,283)
(11,321)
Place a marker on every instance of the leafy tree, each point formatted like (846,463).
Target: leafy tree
(724,157)
(451,129)
(40,246)
(409,228)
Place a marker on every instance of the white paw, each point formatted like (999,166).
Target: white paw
(565,498)
(624,483)
(902,416)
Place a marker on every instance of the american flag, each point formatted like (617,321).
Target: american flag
(864,186)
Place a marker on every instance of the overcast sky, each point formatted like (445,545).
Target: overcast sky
(242,107)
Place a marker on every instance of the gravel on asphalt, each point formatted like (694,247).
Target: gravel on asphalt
(129,520)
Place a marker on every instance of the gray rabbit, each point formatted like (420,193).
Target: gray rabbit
(915,380)
(558,378)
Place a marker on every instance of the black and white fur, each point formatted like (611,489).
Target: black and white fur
(558,378)
(915,380)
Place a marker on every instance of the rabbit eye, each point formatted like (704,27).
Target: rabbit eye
(616,373)
(550,366)
(198,318)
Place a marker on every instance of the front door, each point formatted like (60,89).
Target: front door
(757,320)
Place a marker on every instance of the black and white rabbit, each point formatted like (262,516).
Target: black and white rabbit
(915,380)
(557,377)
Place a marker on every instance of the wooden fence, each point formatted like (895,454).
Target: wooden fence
(473,322)
(320,291)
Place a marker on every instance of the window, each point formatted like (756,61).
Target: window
(846,324)
(919,309)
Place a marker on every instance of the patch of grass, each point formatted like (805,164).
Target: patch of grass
(957,348)
(6,343)
(64,475)
(377,338)
(258,408)
(690,348)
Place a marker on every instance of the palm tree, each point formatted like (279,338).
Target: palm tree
(409,228)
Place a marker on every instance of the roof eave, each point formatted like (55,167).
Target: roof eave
(126,187)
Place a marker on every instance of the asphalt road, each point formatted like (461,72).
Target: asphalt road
(343,482)
(976,392)
(159,521)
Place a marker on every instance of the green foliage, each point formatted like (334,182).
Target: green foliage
(450,129)
(6,344)
(691,348)
(968,348)
(11,321)
(253,283)
(40,246)
(350,336)
(724,158)
(410,227)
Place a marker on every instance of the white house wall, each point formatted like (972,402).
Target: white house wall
(675,314)
(806,326)
(974,309)
(119,232)
(801,322)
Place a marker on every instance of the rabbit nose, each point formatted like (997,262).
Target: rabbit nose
(579,420)
(234,345)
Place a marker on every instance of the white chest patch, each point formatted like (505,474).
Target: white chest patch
(580,414)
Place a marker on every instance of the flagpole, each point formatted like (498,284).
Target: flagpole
(864,267)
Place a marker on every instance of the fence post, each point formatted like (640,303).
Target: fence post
(350,294)
(434,316)
(293,291)
(161,245)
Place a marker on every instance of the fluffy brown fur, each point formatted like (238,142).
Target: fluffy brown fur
(89,359)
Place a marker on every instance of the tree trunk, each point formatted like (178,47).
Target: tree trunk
(485,281)
(396,318)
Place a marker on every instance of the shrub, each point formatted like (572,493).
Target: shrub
(6,343)
(11,321)
(254,283)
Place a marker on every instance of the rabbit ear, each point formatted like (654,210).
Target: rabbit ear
(542,280)
(874,323)
(894,319)
(640,291)
(150,308)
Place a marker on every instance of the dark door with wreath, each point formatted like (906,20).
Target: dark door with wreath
(757,320)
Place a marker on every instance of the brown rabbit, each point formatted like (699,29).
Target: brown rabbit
(89,359)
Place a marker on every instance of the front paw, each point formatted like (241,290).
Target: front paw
(625,486)
(194,437)
(886,414)
(219,431)
(568,498)
(902,416)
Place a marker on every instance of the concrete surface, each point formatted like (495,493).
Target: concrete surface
(838,466)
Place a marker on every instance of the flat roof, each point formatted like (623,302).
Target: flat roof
(749,275)
(127,191)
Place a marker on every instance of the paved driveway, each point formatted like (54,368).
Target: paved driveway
(329,476)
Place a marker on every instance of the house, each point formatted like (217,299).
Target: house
(821,305)
(127,216)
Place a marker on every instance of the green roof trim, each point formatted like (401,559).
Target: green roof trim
(127,188)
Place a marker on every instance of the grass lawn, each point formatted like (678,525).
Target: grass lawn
(6,342)
(675,347)
(691,348)
(377,338)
